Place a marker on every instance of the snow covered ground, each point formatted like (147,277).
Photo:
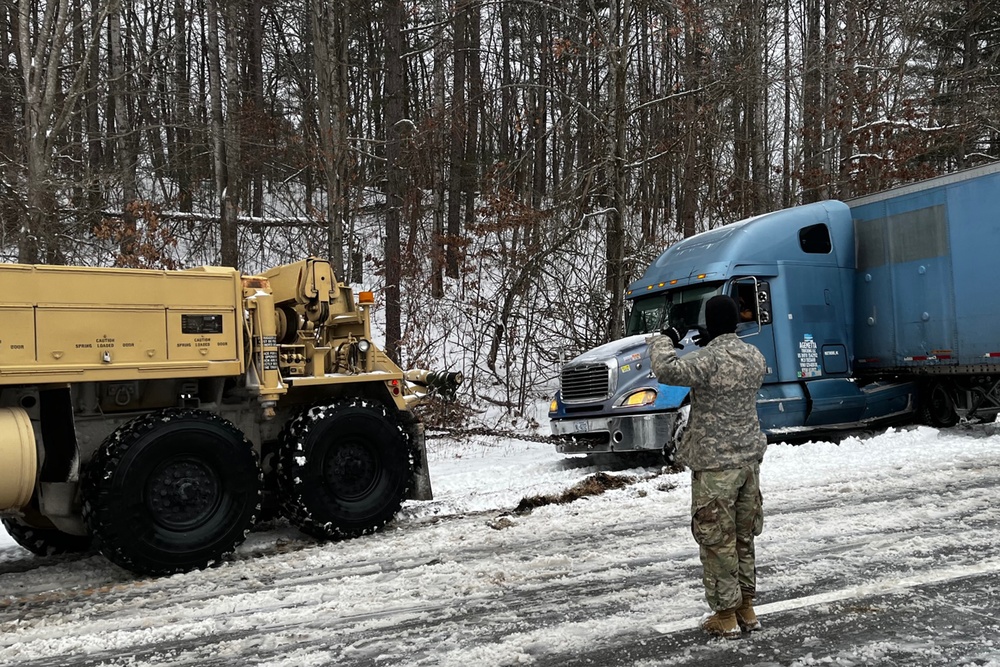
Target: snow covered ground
(876,551)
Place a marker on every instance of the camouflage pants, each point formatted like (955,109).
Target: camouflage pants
(726,514)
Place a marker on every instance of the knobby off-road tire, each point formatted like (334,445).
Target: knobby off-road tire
(172,491)
(344,468)
(45,541)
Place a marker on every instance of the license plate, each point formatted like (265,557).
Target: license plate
(582,426)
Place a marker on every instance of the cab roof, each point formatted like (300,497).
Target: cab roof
(753,246)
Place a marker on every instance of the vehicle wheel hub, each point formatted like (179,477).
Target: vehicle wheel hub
(352,470)
(183,493)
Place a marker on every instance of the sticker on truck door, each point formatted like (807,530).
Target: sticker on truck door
(808,358)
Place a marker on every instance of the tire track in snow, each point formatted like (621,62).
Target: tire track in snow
(542,601)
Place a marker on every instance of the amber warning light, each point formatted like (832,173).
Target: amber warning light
(256,282)
(366,298)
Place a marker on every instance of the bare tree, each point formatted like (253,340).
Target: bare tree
(618,41)
(330,29)
(126,147)
(395,178)
(51,91)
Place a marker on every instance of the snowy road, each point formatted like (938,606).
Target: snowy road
(883,551)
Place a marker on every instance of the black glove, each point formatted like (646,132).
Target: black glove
(702,338)
(674,334)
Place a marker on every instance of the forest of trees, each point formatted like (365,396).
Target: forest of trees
(499,170)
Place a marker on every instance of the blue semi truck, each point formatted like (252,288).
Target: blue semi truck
(881,308)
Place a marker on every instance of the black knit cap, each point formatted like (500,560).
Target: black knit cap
(721,315)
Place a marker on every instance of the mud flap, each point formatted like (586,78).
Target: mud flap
(420,483)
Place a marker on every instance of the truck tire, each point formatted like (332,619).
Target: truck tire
(45,541)
(344,469)
(937,407)
(171,491)
(670,449)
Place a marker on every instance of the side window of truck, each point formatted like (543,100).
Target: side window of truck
(815,239)
(746,298)
(754,300)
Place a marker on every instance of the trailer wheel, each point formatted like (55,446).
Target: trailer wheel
(344,469)
(45,541)
(937,407)
(171,491)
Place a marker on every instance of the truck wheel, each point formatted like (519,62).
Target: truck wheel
(171,491)
(670,449)
(937,408)
(45,541)
(344,469)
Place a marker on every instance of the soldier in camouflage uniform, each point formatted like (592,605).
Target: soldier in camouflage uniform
(723,446)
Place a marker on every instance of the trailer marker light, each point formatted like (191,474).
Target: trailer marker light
(661,284)
(367,298)
(674,281)
(701,276)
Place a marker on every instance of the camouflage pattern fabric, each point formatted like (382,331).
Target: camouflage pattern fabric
(723,431)
(723,445)
(726,514)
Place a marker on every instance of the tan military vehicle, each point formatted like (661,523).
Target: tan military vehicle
(154,414)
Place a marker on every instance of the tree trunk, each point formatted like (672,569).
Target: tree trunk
(182,155)
(786,121)
(458,139)
(473,106)
(395,96)
(812,106)
(618,59)
(126,156)
(330,43)
(438,182)
(689,126)
(233,127)
(216,124)
(255,72)
(538,130)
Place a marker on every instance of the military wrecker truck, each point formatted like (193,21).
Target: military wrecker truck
(882,308)
(157,414)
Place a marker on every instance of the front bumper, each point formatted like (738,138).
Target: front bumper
(625,433)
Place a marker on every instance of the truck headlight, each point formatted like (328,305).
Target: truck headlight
(638,399)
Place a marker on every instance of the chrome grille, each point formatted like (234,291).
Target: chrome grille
(590,382)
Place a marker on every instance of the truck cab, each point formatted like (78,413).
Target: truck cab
(792,272)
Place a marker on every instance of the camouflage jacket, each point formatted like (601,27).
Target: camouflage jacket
(723,431)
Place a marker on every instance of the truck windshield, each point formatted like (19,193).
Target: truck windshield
(682,308)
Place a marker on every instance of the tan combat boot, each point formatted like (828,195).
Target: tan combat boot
(722,624)
(745,615)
